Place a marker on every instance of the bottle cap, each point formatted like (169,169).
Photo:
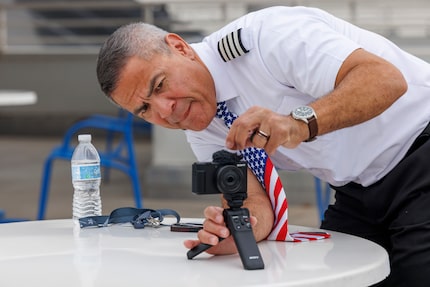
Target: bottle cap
(84,138)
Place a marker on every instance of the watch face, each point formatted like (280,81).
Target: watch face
(303,112)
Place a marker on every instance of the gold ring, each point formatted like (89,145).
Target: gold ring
(263,135)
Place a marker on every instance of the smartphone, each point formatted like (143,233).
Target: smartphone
(186,227)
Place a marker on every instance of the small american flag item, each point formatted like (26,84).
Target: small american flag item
(263,168)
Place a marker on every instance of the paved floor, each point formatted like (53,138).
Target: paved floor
(22,160)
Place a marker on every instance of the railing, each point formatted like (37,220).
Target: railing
(77,26)
(80,26)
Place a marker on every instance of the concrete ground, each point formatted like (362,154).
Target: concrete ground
(22,159)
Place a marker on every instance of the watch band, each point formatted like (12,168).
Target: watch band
(307,115)
(313,128)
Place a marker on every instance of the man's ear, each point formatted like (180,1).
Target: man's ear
(178,44)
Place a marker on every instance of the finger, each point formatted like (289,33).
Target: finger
(214,213)
(213,226)
(227,246)
(241,131)
(208,237)
(253,220)
(238,137)
(243,136)
(278,136)
(230,140)
(189,244)
(219,230)
(271,146)
(259,138)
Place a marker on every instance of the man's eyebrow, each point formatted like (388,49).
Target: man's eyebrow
(151,85)
(148,95)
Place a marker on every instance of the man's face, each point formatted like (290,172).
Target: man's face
(174,91)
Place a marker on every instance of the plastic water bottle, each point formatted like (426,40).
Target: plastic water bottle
(86,179)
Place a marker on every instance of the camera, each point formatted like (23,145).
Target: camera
(227,174)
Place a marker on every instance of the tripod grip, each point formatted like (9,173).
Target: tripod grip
(238,222)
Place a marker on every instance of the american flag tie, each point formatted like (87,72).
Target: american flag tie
(263,168)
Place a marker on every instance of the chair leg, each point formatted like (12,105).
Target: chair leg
(134,174)
(136,189)
(322,196)
(44,189)
(109,150)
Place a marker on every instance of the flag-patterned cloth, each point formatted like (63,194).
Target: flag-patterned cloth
(263,168)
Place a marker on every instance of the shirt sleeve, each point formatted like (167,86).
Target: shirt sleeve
(304,48)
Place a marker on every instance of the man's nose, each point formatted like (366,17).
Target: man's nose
(163,106)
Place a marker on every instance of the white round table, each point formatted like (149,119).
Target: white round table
(17,98)
(54,253)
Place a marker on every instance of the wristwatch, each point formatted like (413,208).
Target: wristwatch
(307,115)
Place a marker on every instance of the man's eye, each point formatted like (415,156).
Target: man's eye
(160,86)
(145,108)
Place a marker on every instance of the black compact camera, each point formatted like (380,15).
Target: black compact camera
(226,174)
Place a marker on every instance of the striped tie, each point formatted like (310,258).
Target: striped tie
(263,168)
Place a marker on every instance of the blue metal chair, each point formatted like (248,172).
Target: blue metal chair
(323,196)
(4,219)
(119,156)
(11,220)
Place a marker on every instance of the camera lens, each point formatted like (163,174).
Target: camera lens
(229,179)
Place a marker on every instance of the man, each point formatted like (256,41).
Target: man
(368,104)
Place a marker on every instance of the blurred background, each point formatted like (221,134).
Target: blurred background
(50,47)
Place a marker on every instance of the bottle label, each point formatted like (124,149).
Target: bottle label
(86,172)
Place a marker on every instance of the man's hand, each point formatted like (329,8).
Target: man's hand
(281,130)
(213,228)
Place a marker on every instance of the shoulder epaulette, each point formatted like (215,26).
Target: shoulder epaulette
(230,46)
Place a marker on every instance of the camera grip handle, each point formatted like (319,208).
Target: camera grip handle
(199,249)
(238,222)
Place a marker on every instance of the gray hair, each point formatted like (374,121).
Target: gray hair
(137,39)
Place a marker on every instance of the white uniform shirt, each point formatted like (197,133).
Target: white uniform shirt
(294,56)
